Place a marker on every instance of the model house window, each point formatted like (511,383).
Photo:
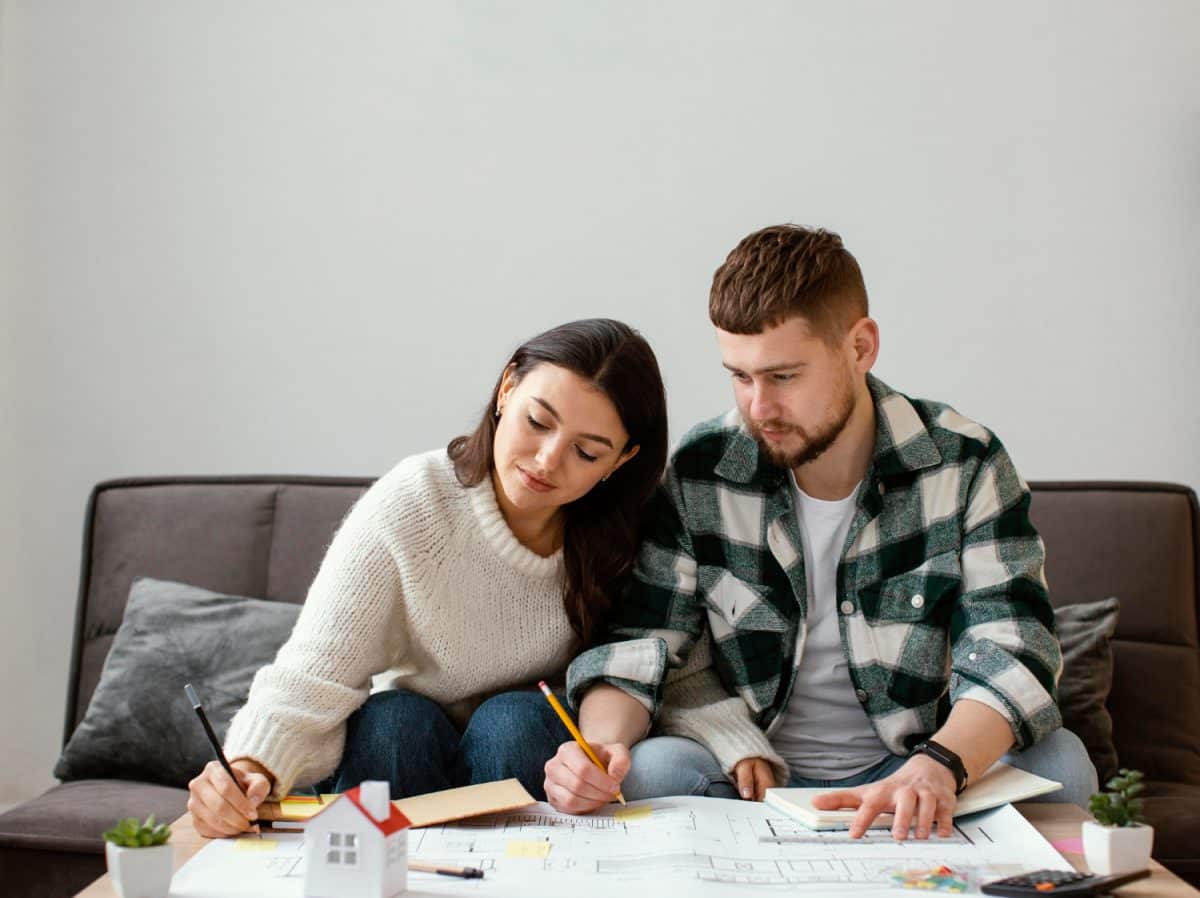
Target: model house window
(395,848)
(342,849)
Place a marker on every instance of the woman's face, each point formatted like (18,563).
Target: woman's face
(557,436)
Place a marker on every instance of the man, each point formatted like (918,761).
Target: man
(841,586)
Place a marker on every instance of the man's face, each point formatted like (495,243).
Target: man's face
(793,390)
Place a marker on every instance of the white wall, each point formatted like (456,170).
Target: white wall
(255,237)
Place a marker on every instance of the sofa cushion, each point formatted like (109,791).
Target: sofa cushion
(71,816)
(1084,631)
(244,536)
(139,724)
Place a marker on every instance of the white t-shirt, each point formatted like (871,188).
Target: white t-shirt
(825,734)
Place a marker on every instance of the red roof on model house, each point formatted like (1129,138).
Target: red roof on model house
(395,822)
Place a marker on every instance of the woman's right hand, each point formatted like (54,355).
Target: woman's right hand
(574,785)
(218,807)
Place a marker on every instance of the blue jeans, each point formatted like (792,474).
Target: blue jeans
(408,741)
(671,765)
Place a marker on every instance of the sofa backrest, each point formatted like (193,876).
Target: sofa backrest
(262,537)
(265,537)
(1138,542)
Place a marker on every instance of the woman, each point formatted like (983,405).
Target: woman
(466,574)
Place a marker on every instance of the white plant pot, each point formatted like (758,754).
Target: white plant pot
(1117,849)
(141,872)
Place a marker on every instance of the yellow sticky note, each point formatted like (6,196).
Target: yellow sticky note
(255,845)
(302,809)
(634,813)
(527,848)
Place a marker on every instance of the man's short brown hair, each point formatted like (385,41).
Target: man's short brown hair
(787,270)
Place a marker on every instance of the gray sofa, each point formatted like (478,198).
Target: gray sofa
(265,536)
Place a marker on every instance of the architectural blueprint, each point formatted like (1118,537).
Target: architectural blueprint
(679,846)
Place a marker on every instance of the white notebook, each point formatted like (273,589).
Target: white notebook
(1000,785)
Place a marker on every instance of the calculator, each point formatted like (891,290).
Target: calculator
(1058,883)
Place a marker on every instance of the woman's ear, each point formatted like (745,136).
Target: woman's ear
(627,455)
(508,383)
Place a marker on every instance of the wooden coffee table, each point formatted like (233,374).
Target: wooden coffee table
(1054,821)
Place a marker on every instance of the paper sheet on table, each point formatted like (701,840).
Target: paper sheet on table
(695,846)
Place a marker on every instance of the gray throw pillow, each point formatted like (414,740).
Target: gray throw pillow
(139,724)
(1085,631)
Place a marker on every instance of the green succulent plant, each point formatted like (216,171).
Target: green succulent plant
(128,833)
(1119,805)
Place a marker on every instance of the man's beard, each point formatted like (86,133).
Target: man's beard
(813,447)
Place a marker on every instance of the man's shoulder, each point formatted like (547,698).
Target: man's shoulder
(942,416)
(956,436)
(705,444)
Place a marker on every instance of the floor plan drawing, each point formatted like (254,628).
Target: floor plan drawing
(683,846)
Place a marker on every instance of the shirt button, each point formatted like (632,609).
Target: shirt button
(861,695)
(847,607)
(918,601)
(974,656)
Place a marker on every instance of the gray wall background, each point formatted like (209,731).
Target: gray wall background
(301,237)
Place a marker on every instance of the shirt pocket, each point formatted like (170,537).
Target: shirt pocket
(734,604)
(925,594)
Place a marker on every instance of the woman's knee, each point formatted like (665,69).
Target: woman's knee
(512,734)
(400,737)
(673,765)
(396,714)
(517,717)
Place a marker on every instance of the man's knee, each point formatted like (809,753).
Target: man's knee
(1062,757)
(673,765)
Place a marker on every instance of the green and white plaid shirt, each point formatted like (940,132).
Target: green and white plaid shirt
(941,591)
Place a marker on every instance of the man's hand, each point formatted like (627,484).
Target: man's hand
(574,785)
(919,792)
(754,777)
(218,807)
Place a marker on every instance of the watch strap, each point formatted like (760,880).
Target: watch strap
(947,759)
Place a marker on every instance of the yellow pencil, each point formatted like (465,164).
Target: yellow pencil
(574,730)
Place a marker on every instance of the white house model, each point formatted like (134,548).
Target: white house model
(357,846)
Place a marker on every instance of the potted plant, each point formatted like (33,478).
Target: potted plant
(1119,841)
(140,861)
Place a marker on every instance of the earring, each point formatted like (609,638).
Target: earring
(606,476)
(497,413)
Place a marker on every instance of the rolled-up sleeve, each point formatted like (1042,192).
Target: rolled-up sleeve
(1003,647)
(656,622)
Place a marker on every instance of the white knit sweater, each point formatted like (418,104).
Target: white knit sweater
(425,583)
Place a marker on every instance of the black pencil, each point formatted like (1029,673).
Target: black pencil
(212,738)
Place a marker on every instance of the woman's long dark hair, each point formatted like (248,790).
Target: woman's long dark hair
(600,535)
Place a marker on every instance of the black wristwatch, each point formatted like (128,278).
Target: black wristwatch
(946,758)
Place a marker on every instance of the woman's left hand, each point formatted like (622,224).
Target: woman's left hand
(754,777)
